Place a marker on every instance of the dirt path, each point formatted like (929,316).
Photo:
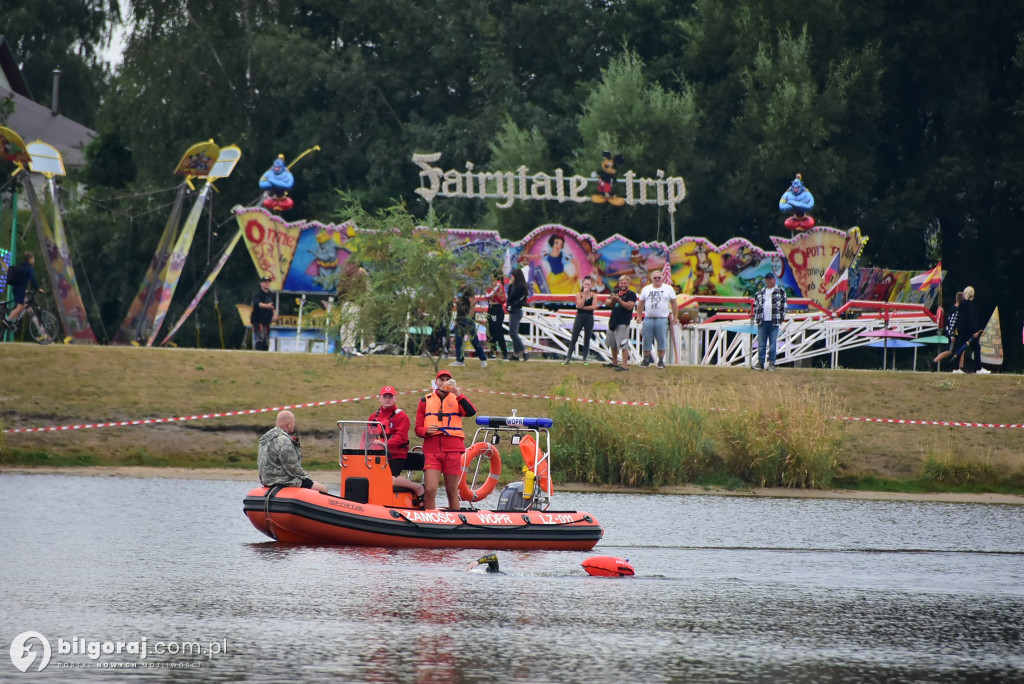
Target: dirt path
(333,478)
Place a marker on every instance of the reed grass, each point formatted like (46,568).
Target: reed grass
(759,437)
(779,440)
(947,471)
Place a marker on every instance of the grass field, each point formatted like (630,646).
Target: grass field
(63,385)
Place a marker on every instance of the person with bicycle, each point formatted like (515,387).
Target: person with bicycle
(18,279)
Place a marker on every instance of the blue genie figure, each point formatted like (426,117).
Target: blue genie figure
(798,200)
(277,181)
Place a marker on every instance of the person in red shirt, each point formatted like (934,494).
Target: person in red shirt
(496,302)
(439,422)
(395,424)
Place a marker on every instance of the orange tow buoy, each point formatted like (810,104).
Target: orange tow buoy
(608,566)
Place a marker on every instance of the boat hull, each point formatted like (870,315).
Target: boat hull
(292,515)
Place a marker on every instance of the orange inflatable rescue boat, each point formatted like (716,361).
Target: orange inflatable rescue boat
(371,511)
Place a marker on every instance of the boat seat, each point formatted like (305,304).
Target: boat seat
(414,459)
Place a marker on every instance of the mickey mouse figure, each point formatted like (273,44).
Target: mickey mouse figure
(606,181)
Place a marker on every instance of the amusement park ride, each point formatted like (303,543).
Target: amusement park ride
(716,283)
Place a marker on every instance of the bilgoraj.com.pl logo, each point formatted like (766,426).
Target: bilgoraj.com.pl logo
(23,653)
(30,645)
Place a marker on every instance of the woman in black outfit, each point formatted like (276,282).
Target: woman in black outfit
(969,328)
(496,315)
(586,303)
(518,296)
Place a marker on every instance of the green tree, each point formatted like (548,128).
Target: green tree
(652,128)
(407,278)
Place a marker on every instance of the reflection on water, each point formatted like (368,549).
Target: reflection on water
(727,590)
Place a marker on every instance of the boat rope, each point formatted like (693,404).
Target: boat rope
(266,510)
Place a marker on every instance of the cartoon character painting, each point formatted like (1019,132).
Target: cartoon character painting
(606,181)
(597,265)
(703,270)
(533,274)
(799,200)
(276,182)
(326,260)
(743,258)
(198,164)
(637,270)
(557,265)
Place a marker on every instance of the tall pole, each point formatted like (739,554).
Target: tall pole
(9,336)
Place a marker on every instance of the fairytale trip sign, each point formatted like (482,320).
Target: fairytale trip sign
(521,184)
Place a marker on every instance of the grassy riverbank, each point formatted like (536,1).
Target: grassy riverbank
(729,427)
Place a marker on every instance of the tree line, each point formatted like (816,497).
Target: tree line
(903,118)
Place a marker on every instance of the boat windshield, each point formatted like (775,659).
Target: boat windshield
(362,437)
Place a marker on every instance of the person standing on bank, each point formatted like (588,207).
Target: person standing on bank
(280,458)
(496,299)
(263,314)
(969,329)
(656,306)
(586,303)
(622,302)
(768,313)
(465,324)
(951,333)
(518,297)
(439,422)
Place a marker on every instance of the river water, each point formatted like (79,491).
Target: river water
(727,590)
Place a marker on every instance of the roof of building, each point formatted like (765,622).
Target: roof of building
(33,121)
(10,74)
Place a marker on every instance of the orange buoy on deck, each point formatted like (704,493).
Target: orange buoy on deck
(608,566)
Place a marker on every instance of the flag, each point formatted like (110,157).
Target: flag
(832,270)
(841,285)
(926,280)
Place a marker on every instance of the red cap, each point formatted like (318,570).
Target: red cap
(440,373)
(387,389)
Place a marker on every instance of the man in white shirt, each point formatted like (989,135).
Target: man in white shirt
(656,306)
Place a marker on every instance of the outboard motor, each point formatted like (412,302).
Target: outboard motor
(511,498)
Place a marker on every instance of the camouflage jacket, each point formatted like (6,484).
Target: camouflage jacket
(280,460)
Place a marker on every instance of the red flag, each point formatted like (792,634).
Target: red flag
(841,285)
(832,270)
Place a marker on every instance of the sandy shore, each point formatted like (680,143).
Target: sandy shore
(333,478)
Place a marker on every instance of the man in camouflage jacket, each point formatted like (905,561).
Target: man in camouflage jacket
(280,458)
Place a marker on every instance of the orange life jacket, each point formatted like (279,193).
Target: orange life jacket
(445,415)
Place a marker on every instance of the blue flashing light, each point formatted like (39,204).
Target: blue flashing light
(514,421)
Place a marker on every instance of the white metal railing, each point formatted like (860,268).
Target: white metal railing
(803,336)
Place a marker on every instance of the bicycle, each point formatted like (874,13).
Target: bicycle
(42,324)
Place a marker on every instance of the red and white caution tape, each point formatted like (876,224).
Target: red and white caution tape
(178,419)
(613,402)
(948,423)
